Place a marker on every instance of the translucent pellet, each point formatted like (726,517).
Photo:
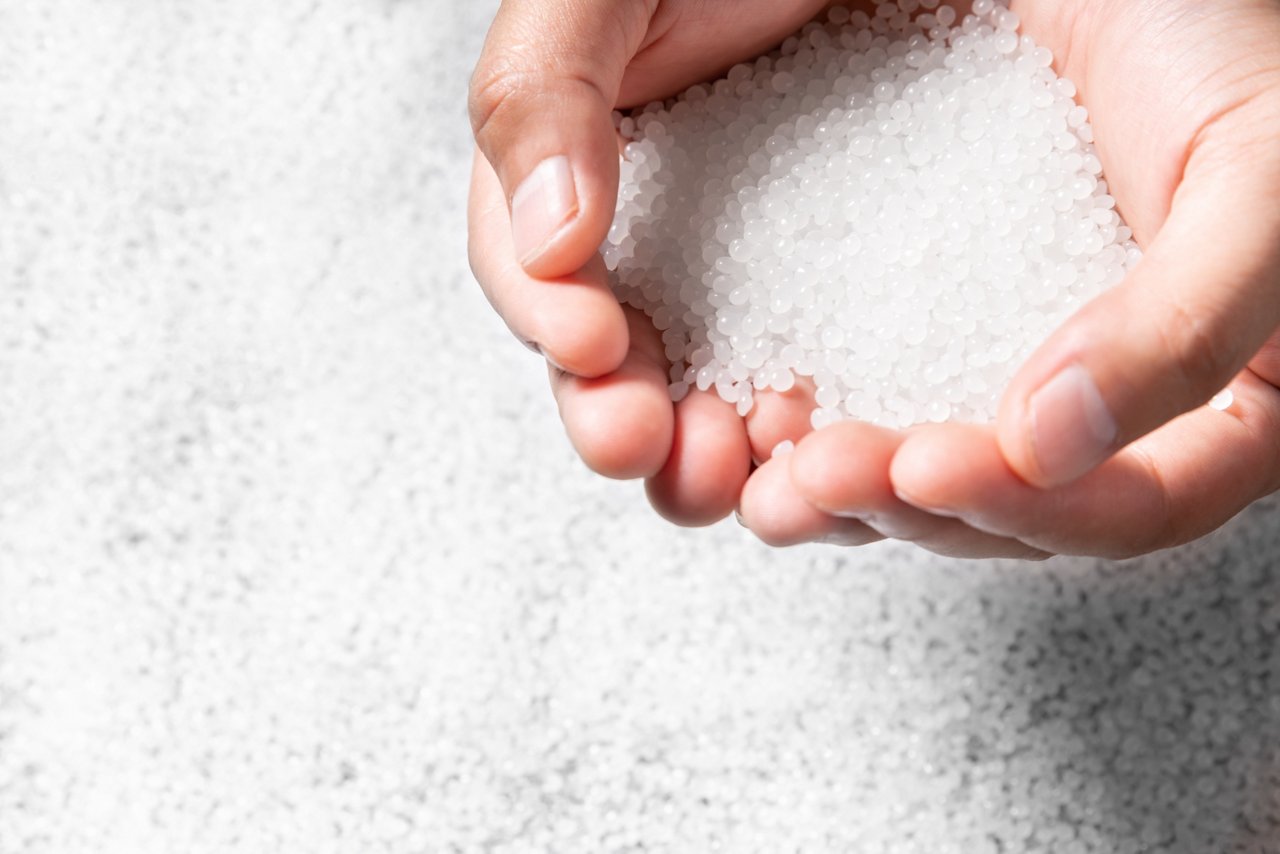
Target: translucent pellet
(1222,400)
(907,203)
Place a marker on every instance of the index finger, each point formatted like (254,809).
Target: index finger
(574,320)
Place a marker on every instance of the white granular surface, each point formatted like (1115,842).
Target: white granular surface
(899,207)
(294,556)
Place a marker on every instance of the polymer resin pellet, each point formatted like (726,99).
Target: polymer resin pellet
(897,207)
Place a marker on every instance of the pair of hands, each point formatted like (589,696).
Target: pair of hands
(1102,445)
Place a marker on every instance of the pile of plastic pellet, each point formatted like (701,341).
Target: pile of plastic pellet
(294,557)
(899,207)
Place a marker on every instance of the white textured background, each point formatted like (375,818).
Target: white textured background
(294,557)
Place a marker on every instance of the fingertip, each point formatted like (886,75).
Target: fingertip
(779,515)
(780,417)
(579,324)
(574,320)
(702,479)
(921,468)
(844,467)
(621,424)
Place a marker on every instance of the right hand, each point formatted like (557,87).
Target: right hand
(1103,445)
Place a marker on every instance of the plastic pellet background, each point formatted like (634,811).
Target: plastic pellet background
(295,558)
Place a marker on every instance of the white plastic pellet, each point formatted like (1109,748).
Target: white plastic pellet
(900,214)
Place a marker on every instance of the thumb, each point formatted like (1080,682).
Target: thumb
(1188,318)
(540,102)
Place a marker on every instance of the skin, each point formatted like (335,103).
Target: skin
(1184,97)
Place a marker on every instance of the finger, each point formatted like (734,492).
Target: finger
(843,470)
(621,424)
(779,417)
(540,102)
(1173,486)
(777,514)
(1186,320)
(677,51)
(575,321)
(709,463)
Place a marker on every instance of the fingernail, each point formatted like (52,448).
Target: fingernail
(1071,428)
(541,207)
(534,347)
(932,507)
(737,514)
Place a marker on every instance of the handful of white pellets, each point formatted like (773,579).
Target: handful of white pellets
(899,207)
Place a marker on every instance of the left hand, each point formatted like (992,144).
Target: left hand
(543,195)
(1103,445)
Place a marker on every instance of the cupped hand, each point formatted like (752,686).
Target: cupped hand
(543,193)
(1103,444)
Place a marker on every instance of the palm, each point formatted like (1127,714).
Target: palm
(1148,121)
(1149,126)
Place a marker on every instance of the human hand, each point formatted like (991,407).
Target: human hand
(1103,445)
(543,193)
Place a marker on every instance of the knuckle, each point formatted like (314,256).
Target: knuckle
(529,56)
(1165,526)
(494,84)
(501,91)
(1202,352)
